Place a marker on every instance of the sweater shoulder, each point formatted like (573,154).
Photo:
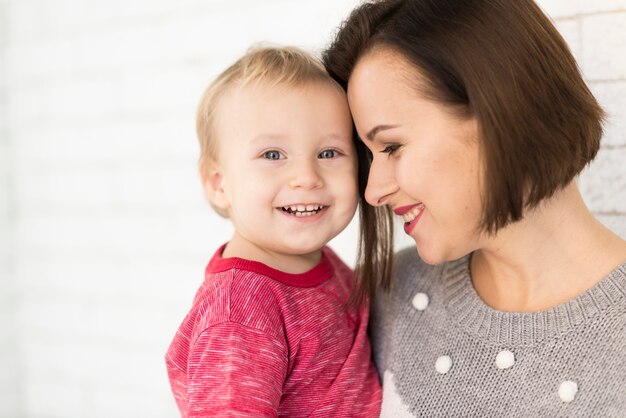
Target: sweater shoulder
(239,296)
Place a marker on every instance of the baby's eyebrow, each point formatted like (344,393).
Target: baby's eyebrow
(269,136)
(372,133)
(336,137)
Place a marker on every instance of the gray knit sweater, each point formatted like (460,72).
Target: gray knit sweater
(444,353)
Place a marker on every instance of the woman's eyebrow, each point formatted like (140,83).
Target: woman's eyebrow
(371,134)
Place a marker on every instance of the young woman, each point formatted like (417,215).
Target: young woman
(474,122)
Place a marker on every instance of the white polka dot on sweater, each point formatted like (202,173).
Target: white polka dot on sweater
(443,364)
(505,359)
(420,301)
(567,391)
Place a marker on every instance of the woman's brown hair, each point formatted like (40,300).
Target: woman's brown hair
(500,61)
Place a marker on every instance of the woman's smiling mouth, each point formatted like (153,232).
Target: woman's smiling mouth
(411,214)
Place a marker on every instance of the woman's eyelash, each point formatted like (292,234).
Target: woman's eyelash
(390,149)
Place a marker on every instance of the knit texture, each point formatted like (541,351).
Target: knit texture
(259,342)
(583,340)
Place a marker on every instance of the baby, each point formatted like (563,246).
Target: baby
(270,332)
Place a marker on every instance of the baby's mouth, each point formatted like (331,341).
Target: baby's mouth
(303,210)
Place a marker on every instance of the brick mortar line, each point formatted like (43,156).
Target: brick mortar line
(599,81)
(611,214)
(613,147)
(149,17)
(89,73)
(583,15)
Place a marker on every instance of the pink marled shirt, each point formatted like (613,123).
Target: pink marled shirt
(262,342)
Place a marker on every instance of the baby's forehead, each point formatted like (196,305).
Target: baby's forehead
(281,111)
(262,96)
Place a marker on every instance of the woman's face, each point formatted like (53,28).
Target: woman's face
(426,161)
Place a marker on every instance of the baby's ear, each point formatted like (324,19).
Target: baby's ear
(212,180)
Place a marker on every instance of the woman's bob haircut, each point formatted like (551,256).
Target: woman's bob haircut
(501,62)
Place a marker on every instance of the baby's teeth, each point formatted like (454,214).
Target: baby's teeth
(303,210)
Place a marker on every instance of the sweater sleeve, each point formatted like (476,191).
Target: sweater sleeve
(236,370)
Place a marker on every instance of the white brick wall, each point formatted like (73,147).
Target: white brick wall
(9,382)
(596,33)
(104,229)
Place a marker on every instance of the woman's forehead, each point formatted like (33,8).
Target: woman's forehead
(385,66)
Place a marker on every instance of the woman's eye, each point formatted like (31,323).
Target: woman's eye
(328,153)
(390,149)
(272,155)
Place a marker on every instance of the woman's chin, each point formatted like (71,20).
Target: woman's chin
(428,256)
(434,255)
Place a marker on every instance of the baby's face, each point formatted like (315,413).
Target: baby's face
(288,165)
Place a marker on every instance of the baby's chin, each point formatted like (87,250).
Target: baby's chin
(303,250)
(305,244)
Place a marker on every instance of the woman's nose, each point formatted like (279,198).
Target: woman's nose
(305,175)
(381,184)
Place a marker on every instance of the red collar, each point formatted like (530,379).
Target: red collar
(318,274)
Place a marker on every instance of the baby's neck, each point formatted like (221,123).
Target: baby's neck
(276,258)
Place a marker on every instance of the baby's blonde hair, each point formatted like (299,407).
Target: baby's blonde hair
(289,66)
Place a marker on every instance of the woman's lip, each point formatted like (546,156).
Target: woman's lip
(404,209)
(409,226)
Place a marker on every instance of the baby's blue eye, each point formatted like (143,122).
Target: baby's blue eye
(272,155)
(328,153)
